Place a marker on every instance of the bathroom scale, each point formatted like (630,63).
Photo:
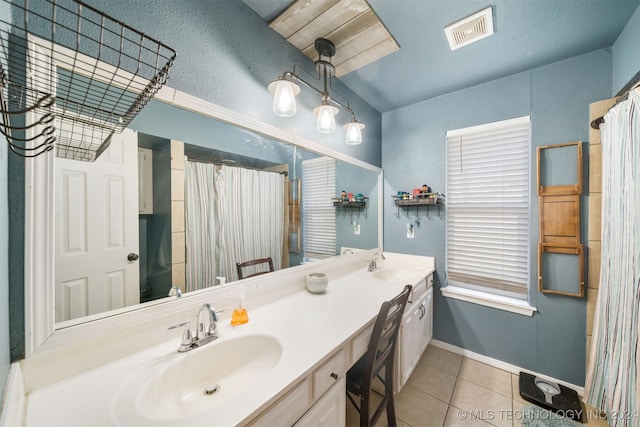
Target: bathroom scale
(550,395)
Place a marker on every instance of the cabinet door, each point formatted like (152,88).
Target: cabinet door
(428,317)
(330,410)
(416,332)
(410,340)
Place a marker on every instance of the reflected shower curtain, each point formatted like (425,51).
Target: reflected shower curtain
(251,214)
(612,374)
(200,225)
(231,215)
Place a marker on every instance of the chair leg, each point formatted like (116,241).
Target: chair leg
(364,410)
(391,412)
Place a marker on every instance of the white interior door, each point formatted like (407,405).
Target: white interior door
(96,217)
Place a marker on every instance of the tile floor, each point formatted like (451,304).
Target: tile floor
(449,390)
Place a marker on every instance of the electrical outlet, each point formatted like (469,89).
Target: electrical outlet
(410,231)
(356,228)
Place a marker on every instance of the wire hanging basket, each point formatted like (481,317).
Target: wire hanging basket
(71,77)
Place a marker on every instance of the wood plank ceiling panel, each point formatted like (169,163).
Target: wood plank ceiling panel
(359,35)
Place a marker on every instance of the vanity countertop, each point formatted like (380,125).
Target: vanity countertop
(308,326)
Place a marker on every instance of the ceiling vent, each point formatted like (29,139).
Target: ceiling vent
(470,29)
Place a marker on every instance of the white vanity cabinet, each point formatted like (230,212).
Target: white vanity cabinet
(416,330)
(320,396)
(330,410)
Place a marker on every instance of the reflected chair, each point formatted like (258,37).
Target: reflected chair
(254,262)
(380,354)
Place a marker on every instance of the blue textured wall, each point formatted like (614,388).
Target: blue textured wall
(557,97)
(4,254)
(355,180)
(227,54)
(626,54)
(4,269)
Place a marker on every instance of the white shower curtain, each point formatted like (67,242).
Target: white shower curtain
(232,215)
(200,225)
(612,374)
(251,218)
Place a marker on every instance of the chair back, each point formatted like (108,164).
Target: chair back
(253,262)
(381,351)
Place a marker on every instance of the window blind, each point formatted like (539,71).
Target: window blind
(319,223)
(488,207)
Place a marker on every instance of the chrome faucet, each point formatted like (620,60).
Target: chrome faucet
(175,292)
(373,265)
(206,329)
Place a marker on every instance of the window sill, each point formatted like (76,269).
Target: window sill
(500,302)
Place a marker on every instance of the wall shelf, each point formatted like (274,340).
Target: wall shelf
(418,201)
(559,207)
(351,205)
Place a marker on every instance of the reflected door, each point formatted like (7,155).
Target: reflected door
(96,209)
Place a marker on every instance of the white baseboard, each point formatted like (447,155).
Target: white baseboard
(500,364)
(14,401)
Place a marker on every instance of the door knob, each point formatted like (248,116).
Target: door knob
(132,257)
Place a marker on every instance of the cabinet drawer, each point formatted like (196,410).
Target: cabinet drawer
(288,409)
(360,344)
(419,289)
(328,374)
(330,410)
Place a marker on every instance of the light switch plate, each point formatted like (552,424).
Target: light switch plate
(410,231)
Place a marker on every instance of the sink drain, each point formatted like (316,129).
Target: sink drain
(208,391)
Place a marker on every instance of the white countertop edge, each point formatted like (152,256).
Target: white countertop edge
(500,302)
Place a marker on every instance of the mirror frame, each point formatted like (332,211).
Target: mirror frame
(39,225)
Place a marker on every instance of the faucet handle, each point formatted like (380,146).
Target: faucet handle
(216,312)
(179,325)
(187,336)
(213,327)
(207,319)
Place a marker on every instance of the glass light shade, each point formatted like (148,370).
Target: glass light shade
(284,97)
(354,132)
(326,118)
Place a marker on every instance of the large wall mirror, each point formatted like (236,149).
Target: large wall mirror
(172,139)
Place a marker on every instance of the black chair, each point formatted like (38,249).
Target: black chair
(241,265)
(380,354)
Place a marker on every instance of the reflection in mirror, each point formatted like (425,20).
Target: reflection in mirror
(201,205)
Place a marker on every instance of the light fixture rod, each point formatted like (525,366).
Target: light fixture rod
(291,75)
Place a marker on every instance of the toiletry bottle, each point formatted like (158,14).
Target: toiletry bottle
(240,315)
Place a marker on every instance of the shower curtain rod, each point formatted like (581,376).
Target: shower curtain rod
(623,97)
(285,173)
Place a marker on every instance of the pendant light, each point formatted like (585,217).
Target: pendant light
(285,90)
(354,131)
(284,97)
(326,122)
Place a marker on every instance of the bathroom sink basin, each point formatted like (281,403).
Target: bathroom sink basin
(207,378)
(396,273)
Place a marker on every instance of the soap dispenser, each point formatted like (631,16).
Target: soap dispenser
(240,315)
